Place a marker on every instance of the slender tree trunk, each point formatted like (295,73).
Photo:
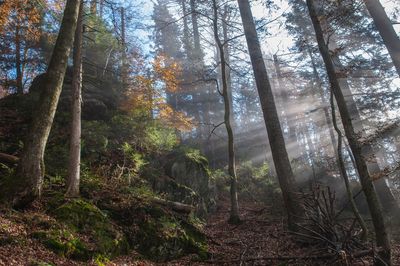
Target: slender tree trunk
(18,63)
(343,173)
(203,95)
(234,214)
(276,140)
(186,39)
(318,84)
(101,9)
(291,139)
(124,67)
(387,199)
(381,234)
(386,30)
(196,34)
(75,139)
(93,7)
(31,167)
(227,53)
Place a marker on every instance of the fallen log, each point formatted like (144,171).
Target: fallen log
(6,158)
(176,206)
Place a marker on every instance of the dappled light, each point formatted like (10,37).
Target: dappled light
(192,132)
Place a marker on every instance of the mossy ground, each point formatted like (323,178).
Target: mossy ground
(106,223)
(162,237)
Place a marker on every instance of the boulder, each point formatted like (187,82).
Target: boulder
(188,171)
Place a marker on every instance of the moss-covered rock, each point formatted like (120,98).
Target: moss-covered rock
(85,218)
(64,243)
(189,169)
(162,237)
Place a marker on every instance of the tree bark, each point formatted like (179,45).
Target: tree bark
(73,179)
(318,84)
(276,140)
(18,63)
(186,40)
(101,12)
(31,167)
(234,213)
(93,7)
(386,30)
(291,138)
(387,198)
(124,67)
(344,175)
(197,53)
(381,234)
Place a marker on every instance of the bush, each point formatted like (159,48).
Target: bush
(256,183)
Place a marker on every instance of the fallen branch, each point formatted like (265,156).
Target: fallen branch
(6,158)
(176,206)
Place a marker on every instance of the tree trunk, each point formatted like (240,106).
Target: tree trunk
(227,53)
(276,140)
(101,12)
(387,199)
(93,7)
(386,30)
(343,173)
(75,139)
(318,84)
(197,53)
(18,64)
(234,214)
(31,167)
(124,69)
(291,139)
(186,40)
(381,234)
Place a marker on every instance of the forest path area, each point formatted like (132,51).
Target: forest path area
(259,240)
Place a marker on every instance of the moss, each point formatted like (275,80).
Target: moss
(181,193)
(9,182)
(84,217)
(54,199)
(64,243)
(163,237)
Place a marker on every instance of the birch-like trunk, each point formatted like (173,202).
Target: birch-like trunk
(30,172)
(234,213)
(75,139)
(385,27)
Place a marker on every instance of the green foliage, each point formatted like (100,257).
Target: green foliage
(143,191)
(5,170)
(95,139)
(160,138)
(256,183)
(197,157)
(133,159)
(221,180)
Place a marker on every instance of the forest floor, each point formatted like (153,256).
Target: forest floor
(259,240)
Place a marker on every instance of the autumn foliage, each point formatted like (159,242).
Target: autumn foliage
(146,94)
